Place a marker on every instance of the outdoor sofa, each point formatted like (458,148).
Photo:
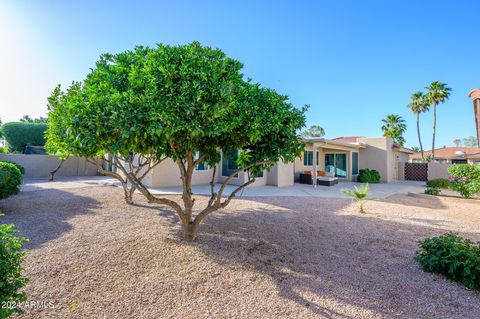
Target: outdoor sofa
(322,179)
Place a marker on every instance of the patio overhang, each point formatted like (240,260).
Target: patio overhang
(325,143)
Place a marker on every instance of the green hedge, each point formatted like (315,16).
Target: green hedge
(11,178)
(453,256)
(367,175)
(20,134)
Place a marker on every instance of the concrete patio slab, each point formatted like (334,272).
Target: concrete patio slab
(377,190)
(37,184)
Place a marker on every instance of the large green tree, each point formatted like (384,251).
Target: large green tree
(437,92)
(394,126)
(418,105)
(189,103)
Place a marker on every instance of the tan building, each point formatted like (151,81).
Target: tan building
(166,174)
(340,158)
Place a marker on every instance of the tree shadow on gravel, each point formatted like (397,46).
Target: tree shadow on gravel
(431,202)
(42,216)
(322,257)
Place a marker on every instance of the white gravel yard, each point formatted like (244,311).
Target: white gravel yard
(263,257)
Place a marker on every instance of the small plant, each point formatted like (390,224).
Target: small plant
(10,179)
(11,279)
(3,150)
(358,194)
(465,179)
(438,183)
(432,191)
(453,256)
(367,175)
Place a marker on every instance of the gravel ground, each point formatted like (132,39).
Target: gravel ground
(263,257)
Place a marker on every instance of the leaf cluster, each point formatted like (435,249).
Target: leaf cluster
(453,256)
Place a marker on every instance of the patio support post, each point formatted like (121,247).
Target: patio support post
(475,96)
(314,173)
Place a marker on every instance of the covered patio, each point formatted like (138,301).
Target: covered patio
(333,160)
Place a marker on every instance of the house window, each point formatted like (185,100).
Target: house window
(354,163)
(308,158)
(202,166)
(229,163)
(257,175)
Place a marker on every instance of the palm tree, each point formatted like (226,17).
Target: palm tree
(394,126)
(358,194)
(419,104)
(437,92)
(314,131)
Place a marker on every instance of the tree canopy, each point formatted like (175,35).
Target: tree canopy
(176,102)
(314,131)
(394,126)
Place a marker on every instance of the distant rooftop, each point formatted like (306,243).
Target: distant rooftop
(452,152)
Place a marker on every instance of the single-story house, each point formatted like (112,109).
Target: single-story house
(341,157)
(452,155)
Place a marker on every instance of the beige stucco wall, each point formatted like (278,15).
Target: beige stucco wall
(401,171)
(375,156)
(281,175)
(167,174)
(37,166)
(437,170)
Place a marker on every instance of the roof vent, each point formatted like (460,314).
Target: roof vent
(460,153)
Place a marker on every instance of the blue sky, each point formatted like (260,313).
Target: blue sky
(354,62)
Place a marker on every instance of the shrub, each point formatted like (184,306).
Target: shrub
(432,191)
(367,175)
(11,279)
(358,194)
(20,134)
(438,183)
(20,167)
(453,256)
(3,150)
(10,179)
(465,179)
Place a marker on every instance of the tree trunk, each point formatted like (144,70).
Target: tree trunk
(52,173)
(418,132)
(434,129)
(128,193)
(189,228)
(189,231)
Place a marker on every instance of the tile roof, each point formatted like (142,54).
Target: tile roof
(452,152)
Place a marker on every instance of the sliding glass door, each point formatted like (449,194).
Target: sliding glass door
(336,163)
